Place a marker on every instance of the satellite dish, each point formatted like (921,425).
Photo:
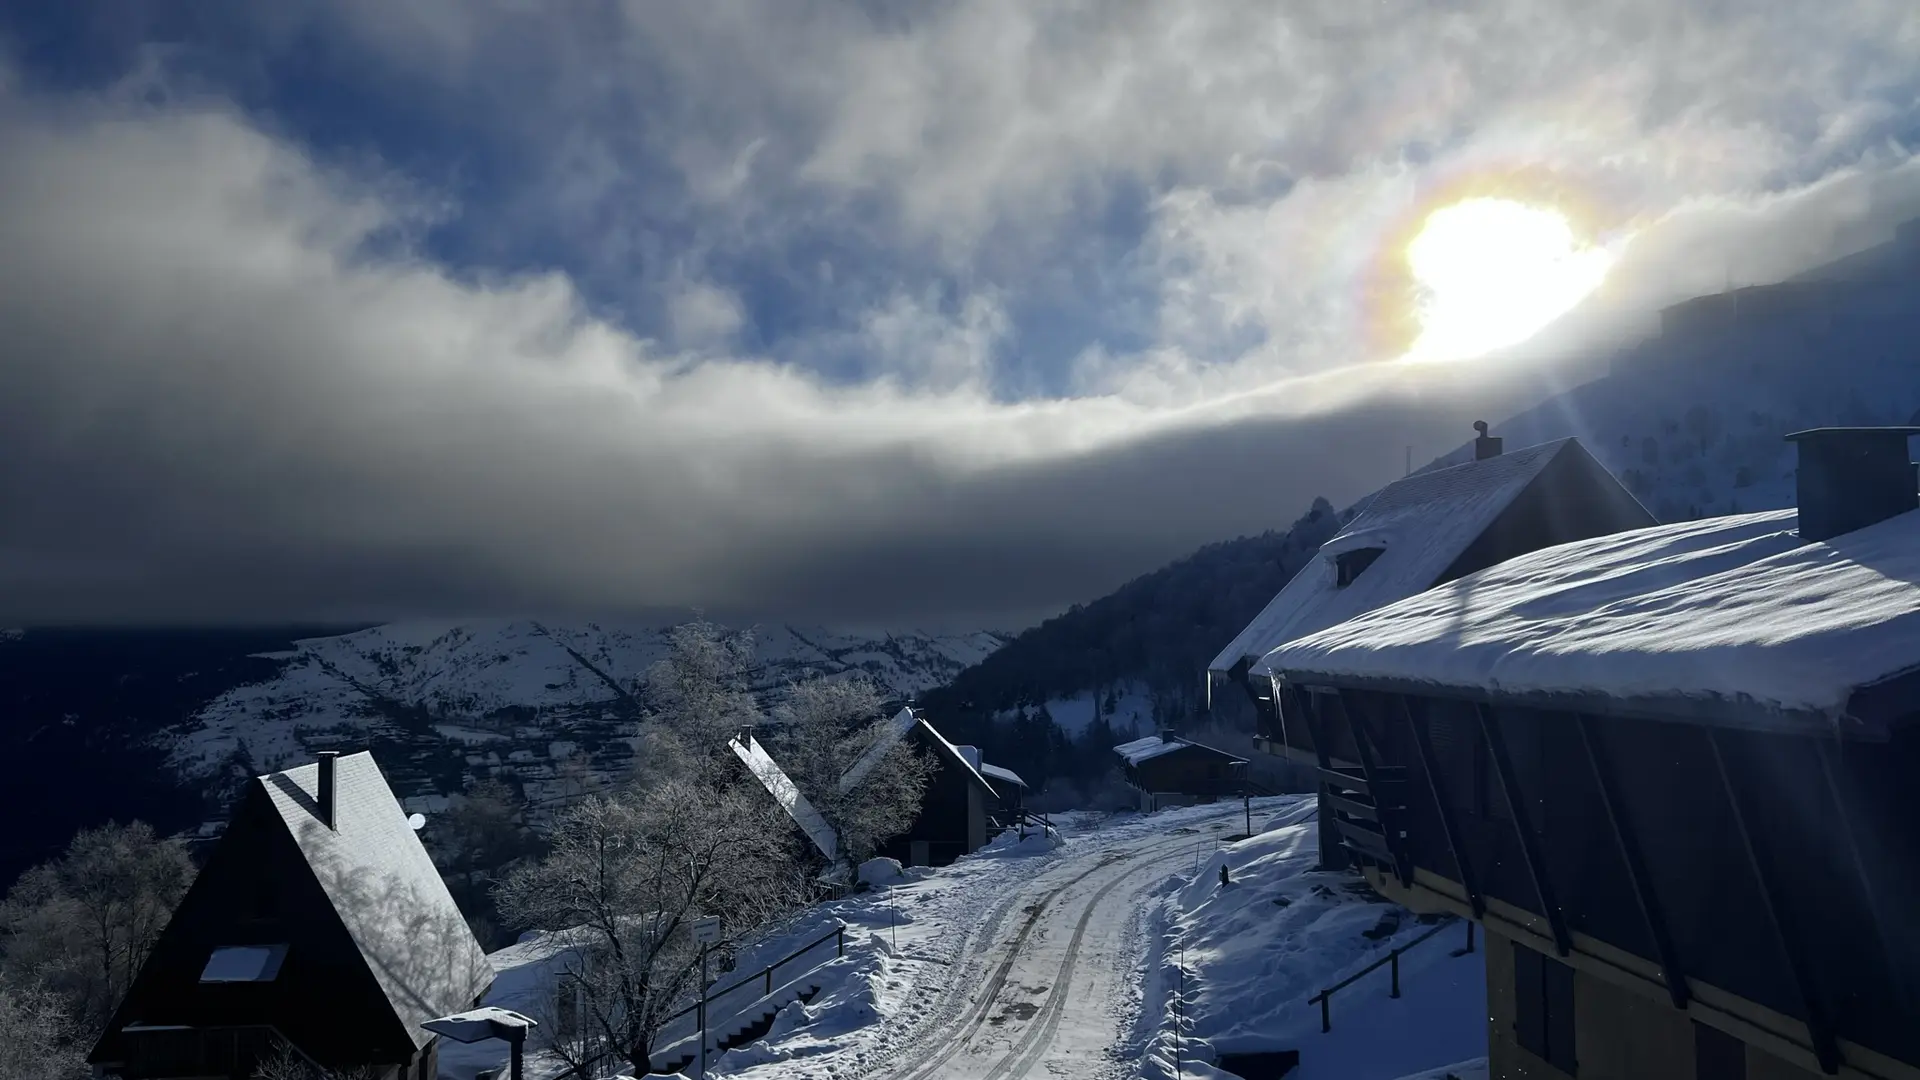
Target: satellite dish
(415,821)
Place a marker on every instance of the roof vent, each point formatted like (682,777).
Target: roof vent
(1484,445)
(1853,477)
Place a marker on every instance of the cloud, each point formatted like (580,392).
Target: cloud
(958,315)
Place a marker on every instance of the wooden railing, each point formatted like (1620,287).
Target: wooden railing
(839,936)
(1324,998)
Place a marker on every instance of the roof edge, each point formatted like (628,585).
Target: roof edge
(1666,708)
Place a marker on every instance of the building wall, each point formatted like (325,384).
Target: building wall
(952,819)
(976,819)
(1672,803)
(1618,1034)
(1193,771)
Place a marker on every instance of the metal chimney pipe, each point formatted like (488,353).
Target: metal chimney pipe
(1484,445)
(324,797)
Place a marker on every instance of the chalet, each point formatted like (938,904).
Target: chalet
(318,927)
(1427,529)
(1168,770)
(1010,806)
(1670,772)
(955,812)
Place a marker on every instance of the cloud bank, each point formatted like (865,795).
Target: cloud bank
(951,316)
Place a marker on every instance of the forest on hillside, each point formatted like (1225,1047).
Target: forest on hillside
(1158,631)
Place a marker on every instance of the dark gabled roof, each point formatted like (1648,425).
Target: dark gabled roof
(1421,524)
(385,889)
(356,914)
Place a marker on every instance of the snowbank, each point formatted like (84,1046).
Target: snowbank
(1236,964)
(880,871)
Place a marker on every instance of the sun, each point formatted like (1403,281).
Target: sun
(1492,272)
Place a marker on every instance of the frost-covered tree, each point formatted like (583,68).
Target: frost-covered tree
(80,925)
(821,728)
(697,698)
(37,1038)
(626,876)
(478,836)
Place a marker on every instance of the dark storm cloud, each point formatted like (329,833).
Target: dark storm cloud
(236,383)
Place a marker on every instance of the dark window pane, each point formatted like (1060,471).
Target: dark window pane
(1529,1000)
(1559,995)
(1718,1055)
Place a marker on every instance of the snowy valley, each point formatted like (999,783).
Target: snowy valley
(552,706)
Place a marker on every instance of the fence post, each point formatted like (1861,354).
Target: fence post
(1469,935)
(769,980)
(1396,973)
(1326,1013)
(840,941)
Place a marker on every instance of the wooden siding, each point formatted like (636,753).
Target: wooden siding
(1858,961)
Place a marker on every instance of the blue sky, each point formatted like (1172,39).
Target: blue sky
(651,306)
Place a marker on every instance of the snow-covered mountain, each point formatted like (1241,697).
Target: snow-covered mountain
(552,705)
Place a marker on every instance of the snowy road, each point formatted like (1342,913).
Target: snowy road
(1045,980)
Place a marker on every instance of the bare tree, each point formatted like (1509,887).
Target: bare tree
(283,1062)
(80,925)
(626,877)
(37,1039)
(821,729)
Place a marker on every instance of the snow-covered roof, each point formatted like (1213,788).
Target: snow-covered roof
(1421,524)
(954,756)
(896,728)
(787,794)
(385,888)
(1153,746)
(1732,620)
(904,721)
(1146,749)
(995,772)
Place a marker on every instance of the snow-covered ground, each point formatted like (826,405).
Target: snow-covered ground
(1232,968)
(1132,701)
(1031,959)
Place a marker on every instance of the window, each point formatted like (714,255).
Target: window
(1543,1008)
(243,963)
(1717,1055)
(1348,564)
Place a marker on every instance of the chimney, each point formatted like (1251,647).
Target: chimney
(1853,477)
(1484,445)
(972,754)
(324,797)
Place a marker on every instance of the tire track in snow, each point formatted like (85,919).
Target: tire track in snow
(984,1006)
(977,1016)
(1021,1059)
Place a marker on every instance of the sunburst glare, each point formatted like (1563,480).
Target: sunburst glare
(1492,272)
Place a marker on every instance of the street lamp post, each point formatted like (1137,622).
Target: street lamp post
(488,1023)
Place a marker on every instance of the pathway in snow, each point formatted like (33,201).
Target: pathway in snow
(1044,979)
